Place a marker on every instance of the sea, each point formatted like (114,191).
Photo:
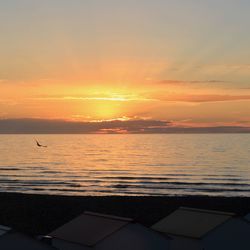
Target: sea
(126,164)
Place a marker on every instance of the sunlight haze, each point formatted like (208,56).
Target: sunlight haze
(186,62)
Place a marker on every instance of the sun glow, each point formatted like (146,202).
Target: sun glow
(107,104)
(105,110)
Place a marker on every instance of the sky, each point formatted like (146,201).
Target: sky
(185,63)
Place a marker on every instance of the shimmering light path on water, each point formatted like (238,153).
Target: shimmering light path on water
(169,164)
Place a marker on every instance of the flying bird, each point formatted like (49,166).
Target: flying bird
(40,145)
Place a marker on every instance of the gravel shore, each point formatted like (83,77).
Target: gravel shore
(39,214)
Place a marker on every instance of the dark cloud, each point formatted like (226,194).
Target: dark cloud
(34,126)
(61,126)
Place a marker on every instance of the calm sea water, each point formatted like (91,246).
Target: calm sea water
(162,164)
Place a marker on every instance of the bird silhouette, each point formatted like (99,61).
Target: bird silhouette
(40,145)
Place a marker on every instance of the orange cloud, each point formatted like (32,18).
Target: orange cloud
(183,82)
(199,98)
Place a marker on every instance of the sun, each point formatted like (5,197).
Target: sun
(105,110)
(97,104)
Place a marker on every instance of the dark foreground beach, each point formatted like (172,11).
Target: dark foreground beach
(40,214)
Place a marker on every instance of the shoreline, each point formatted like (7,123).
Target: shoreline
(39,213)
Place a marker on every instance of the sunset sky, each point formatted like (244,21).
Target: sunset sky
(183,62)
